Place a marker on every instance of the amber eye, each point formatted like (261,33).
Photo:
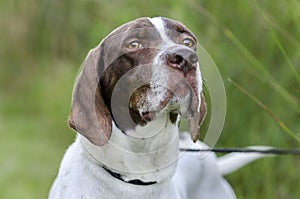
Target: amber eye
(134,45)
(188,42)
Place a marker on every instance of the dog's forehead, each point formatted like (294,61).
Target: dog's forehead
(148,24)
(135,24)
(177,26)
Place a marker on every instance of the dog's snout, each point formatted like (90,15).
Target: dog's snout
(182,58)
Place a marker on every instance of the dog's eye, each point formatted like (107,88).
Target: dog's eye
(188,42)
(134,45)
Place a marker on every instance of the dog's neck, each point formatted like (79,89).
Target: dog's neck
(147,153)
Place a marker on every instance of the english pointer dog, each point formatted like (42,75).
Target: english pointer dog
(127,100)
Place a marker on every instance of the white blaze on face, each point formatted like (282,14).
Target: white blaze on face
(160,77)
(159,25)
(161,74)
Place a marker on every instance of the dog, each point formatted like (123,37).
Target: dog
(128,98)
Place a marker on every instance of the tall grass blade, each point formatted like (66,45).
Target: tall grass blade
(251,58)
(268,110)
(278,43)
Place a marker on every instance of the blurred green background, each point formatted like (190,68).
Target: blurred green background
(43,43)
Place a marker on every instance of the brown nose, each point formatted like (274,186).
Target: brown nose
(182,58)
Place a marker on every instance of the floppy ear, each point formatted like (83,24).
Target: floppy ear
(89,114)
(195,121)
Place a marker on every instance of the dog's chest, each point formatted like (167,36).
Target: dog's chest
(141,154)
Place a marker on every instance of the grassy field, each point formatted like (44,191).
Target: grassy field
(256,44)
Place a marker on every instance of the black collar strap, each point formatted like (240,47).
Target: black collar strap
(135,181)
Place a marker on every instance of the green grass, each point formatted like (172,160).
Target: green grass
(254,43)
(34,132)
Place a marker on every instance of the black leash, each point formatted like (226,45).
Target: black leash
(271,151)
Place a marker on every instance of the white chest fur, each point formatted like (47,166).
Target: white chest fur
(147,153)
(138,155)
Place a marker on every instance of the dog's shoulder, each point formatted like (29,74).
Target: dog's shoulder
(76,174)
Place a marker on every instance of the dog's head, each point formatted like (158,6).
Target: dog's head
(143,69)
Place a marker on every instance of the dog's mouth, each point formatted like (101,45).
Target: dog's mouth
(178,94)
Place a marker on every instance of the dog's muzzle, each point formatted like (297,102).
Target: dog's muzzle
(174,86)
(181,58)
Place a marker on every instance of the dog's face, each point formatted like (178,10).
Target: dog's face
(143,69)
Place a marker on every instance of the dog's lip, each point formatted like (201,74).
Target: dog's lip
(163,105)
(185,94)
(148,115)
(174,103)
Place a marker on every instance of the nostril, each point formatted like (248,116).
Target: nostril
(181,58)
(175,60)
(193,58)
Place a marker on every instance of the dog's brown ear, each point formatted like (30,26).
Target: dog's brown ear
(196,121)
(89,114)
